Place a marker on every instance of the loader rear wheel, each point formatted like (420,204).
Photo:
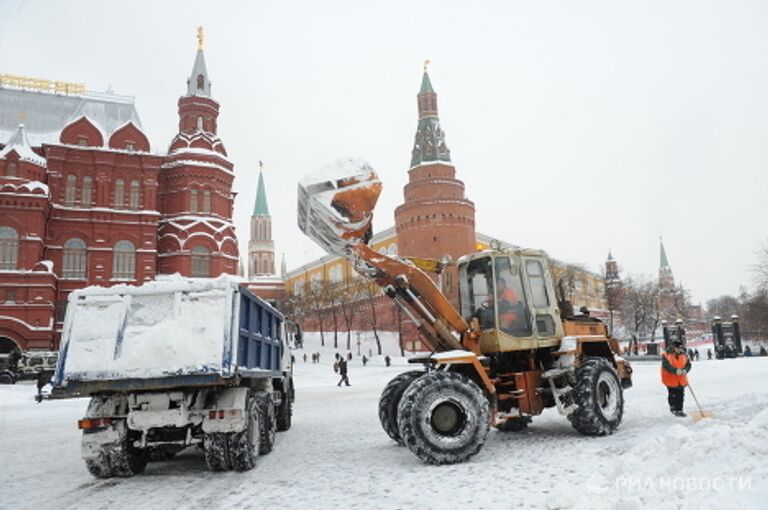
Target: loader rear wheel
(267,422)
(598,397)
(390,399)
(514,424)
(443,418)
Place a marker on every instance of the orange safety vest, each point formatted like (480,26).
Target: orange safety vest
(676,362)
(507,318)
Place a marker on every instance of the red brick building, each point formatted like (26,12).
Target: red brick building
(84,201)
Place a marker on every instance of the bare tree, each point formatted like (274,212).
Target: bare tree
(723,306)
(315,300)
(760,268)
(346,297)
(640,307)
(370,291)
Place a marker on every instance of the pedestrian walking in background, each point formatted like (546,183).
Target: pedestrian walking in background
(343,371)
(387,360)
(675,366)
(365,360)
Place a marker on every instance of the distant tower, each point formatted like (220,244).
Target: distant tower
(261,248)
(666,280)
(435,219)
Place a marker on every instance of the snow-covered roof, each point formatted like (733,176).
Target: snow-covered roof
(22,186)
(20,144)
(45,114)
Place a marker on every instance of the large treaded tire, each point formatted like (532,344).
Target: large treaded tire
(598,397)
(285,411)
(443,418)
(267,422)
(390,399)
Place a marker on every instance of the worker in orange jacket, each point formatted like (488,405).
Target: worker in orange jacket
(508,298)
(675,366)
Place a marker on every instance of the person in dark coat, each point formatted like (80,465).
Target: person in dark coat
(387,360)
(709,353)
(343,371)
(365,360)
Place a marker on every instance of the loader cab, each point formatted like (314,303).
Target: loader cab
(511,295)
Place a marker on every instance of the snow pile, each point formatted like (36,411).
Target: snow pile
(683,467)
(161,328)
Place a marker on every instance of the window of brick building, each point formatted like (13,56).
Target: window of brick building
(201,261)
(70,189)
(134,198)
(129,146)
(11,170)
(200,123)
(206,202)
(75,257)
(86,195)
(119,194)
(10,296)
(9,248)
(193,201)
(124,261)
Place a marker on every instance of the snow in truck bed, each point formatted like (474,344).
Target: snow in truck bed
(170,327)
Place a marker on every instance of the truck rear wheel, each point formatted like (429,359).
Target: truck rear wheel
(122,459)
(244,446)
(267,423)
(285,411)
(598,397)
(390,399)
(443,418)
(216,448)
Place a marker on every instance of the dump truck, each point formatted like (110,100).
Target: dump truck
(508,352)
(172,364)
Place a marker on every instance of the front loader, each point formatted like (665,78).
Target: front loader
(509,352)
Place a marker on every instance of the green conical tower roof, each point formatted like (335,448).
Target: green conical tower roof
(663,262)
(426,83)
(260,208)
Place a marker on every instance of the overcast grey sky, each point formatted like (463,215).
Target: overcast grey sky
(578,127)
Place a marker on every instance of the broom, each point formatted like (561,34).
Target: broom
(700,414)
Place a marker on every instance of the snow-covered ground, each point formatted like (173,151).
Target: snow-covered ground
(337,456)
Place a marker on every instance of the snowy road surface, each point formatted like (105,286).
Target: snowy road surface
(337,456)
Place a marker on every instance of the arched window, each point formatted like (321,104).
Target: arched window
(124,261)
(134,198)
(86,197)
(201,261)
(11,170)
(119,194)
(193,201)
(206,202)
(74,259)
(200,82)
(9,248)
(200,123)
(70,189)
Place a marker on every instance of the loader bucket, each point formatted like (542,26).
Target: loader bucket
(336,204)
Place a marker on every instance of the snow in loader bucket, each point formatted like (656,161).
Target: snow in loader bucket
(335,204)
(163,331)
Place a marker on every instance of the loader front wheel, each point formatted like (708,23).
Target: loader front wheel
(443,418)
(598,397)
(390,400)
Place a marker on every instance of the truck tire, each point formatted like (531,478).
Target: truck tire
(443,418)
(122,460)
(216,448)
(390,399)
(285,411)
(7,378)
(514,424)
(267,423)
(243,447)
(598,397)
